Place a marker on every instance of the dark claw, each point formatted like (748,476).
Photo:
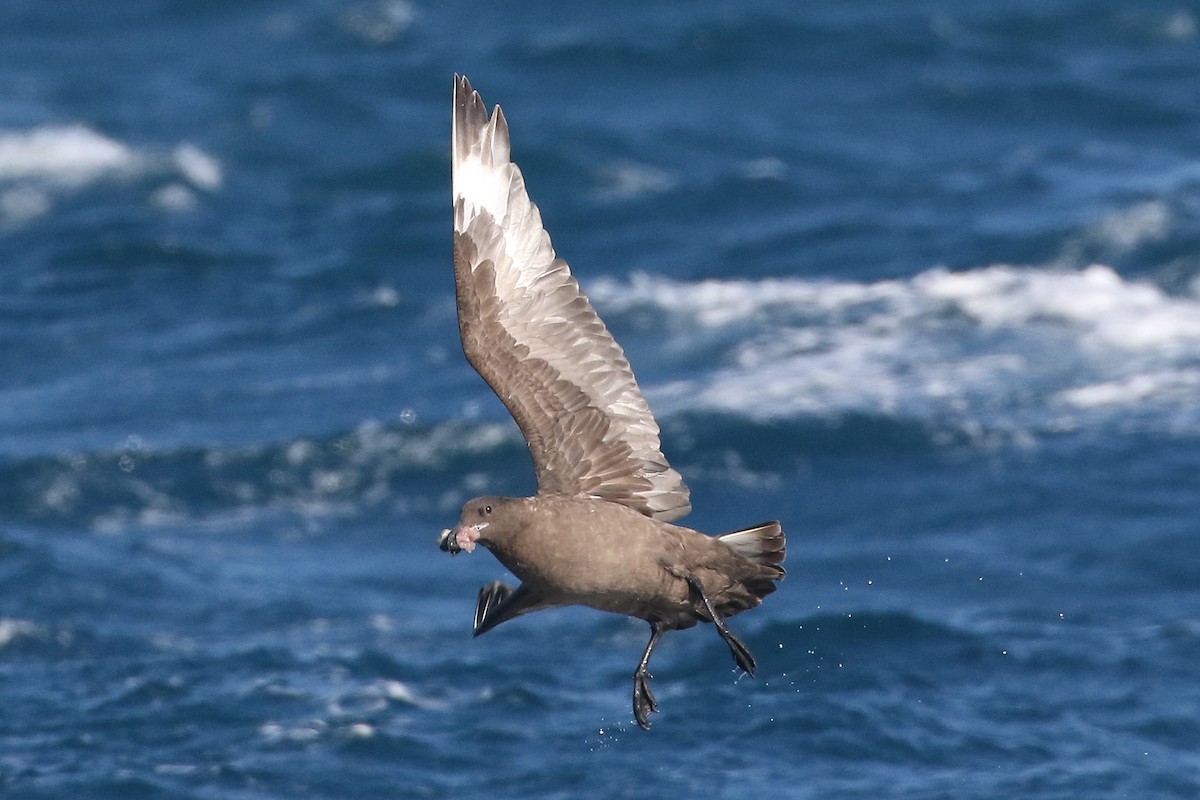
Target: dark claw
(643,699)
(448,543)
(741,654)
(644,703)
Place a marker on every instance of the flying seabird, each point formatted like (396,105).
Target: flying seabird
(599,530)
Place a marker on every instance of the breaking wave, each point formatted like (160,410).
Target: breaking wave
(997,348)
(40,166)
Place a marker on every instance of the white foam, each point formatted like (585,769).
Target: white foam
(23,204)
(996,347)
(768,168)
(40,166)
(1128,228)
(1180,26)
(71,154)
(201,169)
(627,180)
(11,629)
(1183,385)
(1106,310)
(378,22)
(173,197)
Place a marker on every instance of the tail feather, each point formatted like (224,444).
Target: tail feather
(763,544)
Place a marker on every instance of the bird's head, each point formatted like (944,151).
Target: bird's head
(484,520)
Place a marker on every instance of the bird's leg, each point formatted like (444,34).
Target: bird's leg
(643,699)
(741,653)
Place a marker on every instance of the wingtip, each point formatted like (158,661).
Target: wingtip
(470,119)
(467,100)
(482,173)
(462,86)
(500,144)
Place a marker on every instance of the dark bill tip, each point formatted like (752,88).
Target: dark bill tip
(448,543)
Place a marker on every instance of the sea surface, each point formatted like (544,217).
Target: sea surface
(920,279)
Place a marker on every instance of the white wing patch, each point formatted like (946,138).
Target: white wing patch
(485,180)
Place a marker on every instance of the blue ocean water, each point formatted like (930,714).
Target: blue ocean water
(922,280)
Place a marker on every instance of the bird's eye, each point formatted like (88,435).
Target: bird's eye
(486,510)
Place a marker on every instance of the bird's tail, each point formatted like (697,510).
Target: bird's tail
(763,545)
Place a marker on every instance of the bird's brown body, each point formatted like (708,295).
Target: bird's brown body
(595,553)
(599,532)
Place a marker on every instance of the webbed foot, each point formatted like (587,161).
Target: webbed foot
(644,703)
(490,597)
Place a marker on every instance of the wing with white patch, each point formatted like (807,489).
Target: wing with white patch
(534,337)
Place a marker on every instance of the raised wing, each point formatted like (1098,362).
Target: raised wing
(533,336)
